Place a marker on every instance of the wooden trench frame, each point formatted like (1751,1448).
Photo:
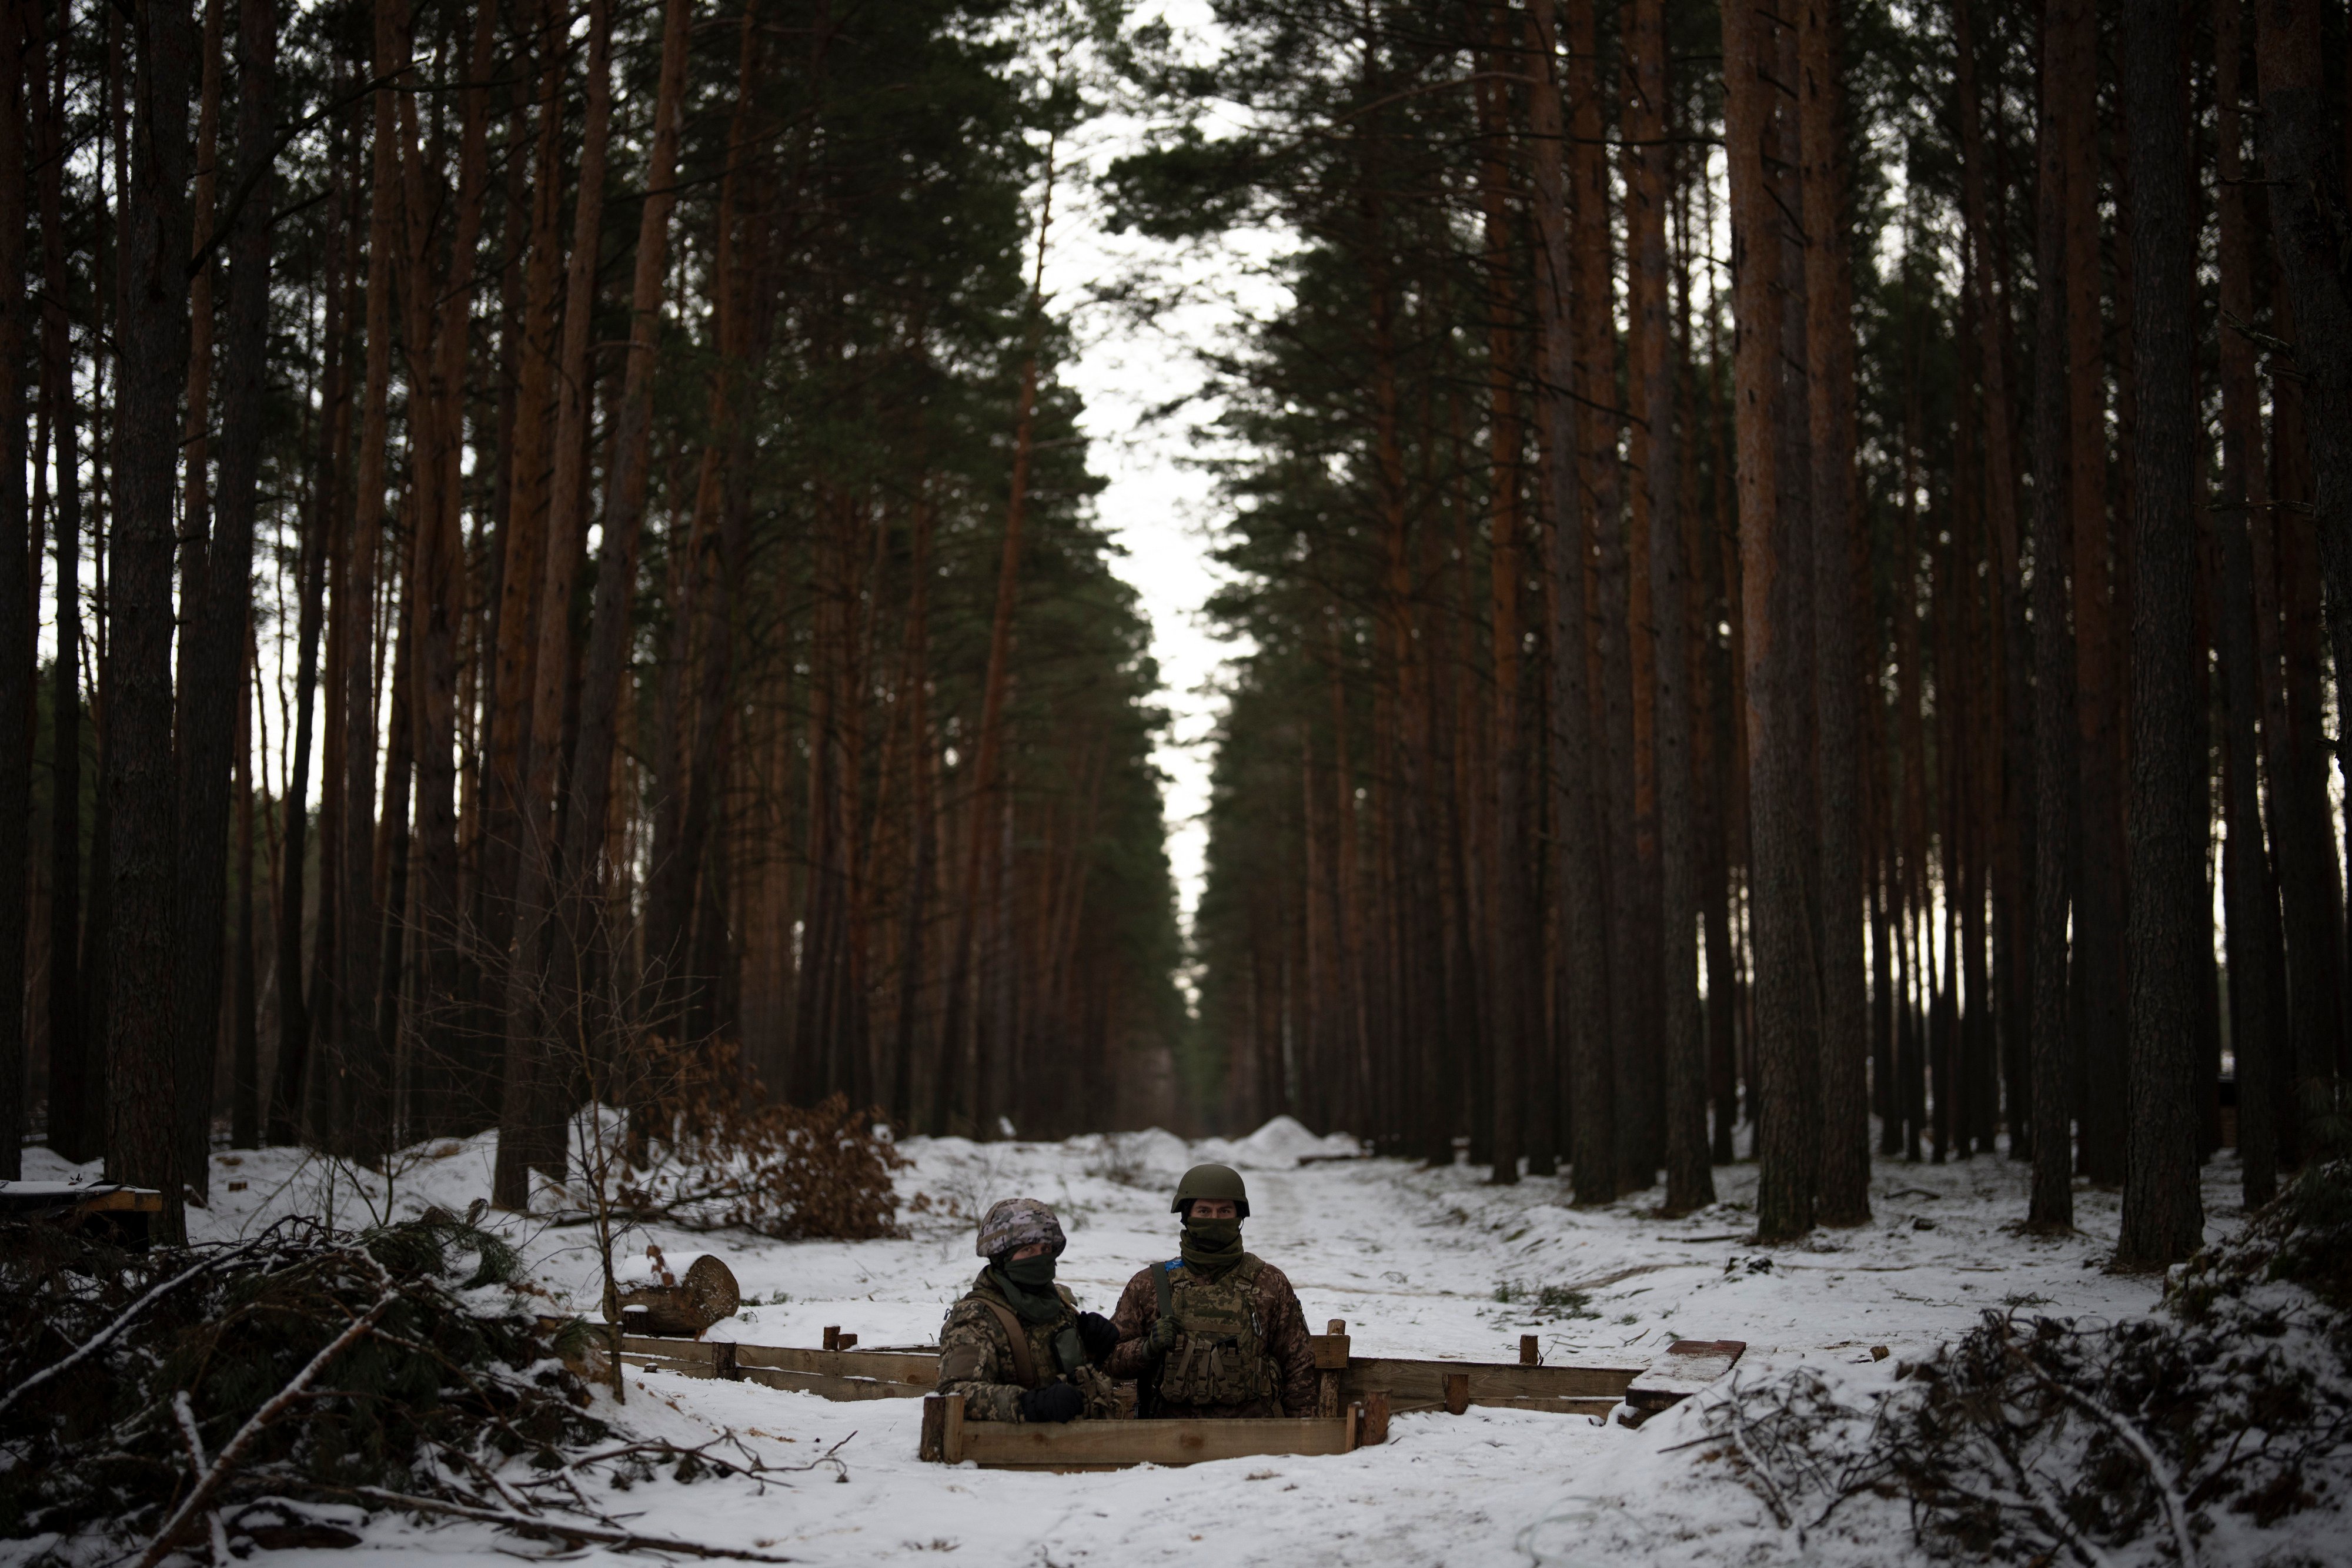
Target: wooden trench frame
(1356,1397)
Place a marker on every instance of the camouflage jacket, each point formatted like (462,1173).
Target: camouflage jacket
(976,1358)
(1285,1341)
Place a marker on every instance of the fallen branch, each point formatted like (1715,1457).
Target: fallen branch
(547,1529)
(113,1331)
(2175,1511)
(217,1476)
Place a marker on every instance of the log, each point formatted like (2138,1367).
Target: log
(1457,1393)
(1374,1427)
(1530,1353)
(708,1294)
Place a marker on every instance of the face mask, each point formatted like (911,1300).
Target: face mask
(1032,1273)
(1212,1243)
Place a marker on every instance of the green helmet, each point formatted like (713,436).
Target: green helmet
(1213,1181)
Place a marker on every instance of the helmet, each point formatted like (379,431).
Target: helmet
(1017,1222)
(1213,1181)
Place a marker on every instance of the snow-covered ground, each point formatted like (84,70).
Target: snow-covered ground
(1419,1263)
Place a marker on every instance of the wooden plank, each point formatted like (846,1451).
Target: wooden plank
(919,1370)
(1116,1445)
(1688,1365)
(1420,1385)
(830,1386)
(1570,1407)
(930,1448)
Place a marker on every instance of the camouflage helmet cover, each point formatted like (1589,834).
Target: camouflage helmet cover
(1211,1182)
(1017,1222)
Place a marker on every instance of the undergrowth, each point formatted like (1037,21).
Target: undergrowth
(185,1394)
(2217,1428)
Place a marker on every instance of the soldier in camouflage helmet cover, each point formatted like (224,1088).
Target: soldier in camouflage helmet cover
(1216,1331)
(1016,1347)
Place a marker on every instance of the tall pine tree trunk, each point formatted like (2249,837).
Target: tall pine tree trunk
(1845,1180)
(143,1088)
(2171,905)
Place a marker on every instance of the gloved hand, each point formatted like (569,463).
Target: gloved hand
(1054,1402)
(1162,1338)
(1097,1334)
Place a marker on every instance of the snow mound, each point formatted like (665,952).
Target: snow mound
(1280,1144)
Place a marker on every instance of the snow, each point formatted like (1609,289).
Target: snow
(1413,1260)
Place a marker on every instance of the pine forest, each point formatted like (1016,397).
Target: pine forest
(1784,577)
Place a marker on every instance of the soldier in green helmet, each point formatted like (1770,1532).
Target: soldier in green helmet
(1215,1331)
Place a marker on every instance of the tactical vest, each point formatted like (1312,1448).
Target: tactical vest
(1220,1355)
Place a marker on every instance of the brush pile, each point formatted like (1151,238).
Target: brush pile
(270,1391)
(2217,1429)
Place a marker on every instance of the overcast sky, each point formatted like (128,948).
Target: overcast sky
(1158,505)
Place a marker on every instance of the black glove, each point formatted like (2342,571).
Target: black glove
(1054,1402)
(1097,1334)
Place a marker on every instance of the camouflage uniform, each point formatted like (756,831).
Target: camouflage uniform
(976,1358)
(1282,1331)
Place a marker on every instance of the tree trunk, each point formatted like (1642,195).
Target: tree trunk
(543,1004)
(1773,561)
(1845,1180)
(2098,926)
(2163,1211)
(76,1116)
(2056,767)
(2303,156)
(2250,885)
(143,1087)
(18,610)
(363,1057)
(296,1020)
(1690,1183)
(216,602)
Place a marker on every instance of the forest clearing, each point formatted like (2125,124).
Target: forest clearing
(1421,1262)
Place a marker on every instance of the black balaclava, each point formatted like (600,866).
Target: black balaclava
(1028,1285)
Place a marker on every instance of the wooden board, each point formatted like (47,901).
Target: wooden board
(1688,1365)
(1420,1384)
(848,1374)
(829,1387)
(919,1369)
(1117,1445)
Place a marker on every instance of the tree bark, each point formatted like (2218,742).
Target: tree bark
(17,610)
(1758,134)
(2303,156)
(1844,1195)
(2163,1211)
(2055,765)
(2250,885)
(217,603)
(76,1116)
(143,1087)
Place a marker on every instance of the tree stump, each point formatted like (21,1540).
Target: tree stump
(683,1310)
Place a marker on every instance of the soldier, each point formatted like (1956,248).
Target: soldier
(1016,1347)
(1217,1330)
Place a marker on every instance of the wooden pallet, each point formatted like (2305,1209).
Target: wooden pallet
(1077,1446)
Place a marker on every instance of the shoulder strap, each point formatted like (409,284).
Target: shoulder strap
(1161,1278)
(1025,1366)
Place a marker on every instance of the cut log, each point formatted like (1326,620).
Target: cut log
(1688,1365)
(1457,1393)
(708,1294)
